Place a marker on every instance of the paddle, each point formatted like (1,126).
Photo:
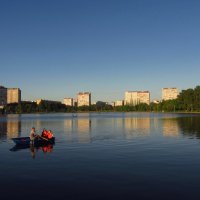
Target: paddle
(43,138)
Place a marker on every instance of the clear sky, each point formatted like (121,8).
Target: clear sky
(53,49)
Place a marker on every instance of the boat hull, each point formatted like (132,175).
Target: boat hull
(37,142)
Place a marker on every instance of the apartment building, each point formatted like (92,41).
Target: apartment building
(137,97)
(68,101)
(84,99)
(13,95)
(169,93)
(119,103)
(9,95)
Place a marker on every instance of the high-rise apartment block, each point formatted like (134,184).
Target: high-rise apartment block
(137,97)
(13,95)
(84,99)
(68,101)
(169,93)
(9,95)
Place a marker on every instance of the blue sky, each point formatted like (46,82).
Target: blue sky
(53,49)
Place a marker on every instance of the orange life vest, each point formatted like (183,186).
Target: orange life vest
(45,133)
(49,135)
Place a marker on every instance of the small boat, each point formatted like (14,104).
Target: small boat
(37,142)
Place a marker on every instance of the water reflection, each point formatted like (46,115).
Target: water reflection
(46,148)
(10,129)
(78,130)
(190,126)
(88,128)
(85,130)
(170,127)
(136,127)
(3,130)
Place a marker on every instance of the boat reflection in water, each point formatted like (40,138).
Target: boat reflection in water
(45,148)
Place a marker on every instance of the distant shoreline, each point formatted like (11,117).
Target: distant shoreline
(79,112)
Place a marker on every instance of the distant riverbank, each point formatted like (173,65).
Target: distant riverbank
(99,112)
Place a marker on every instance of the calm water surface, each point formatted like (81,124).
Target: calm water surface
(102,156)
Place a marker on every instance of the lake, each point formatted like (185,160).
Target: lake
(102,156)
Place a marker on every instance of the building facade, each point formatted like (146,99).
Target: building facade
(119,103)
(137,97)
(68,101)
(3,96)
(84,99)
(13,95)
(169,93)
(75,102)
(9,95)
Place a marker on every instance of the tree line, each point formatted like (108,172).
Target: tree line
(187,101)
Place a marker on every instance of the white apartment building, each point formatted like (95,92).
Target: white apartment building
(84,99)
(9,95)
(169,93)
(13,95)
(137,97)
(68,101)
(119,103)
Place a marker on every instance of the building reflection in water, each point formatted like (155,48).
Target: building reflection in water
(83,130)
(78,130)
(136,127)
(10,129)
(170,127)
(13,129)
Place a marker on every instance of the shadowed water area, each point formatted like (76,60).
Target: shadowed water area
(102,156)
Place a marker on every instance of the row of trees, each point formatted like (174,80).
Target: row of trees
(188,100)
(45,107)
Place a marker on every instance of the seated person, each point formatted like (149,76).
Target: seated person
(44,133)
(49,134)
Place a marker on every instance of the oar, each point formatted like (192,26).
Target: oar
(43,138)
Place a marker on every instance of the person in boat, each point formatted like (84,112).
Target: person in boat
(49,134)
(44,133)
(33,135)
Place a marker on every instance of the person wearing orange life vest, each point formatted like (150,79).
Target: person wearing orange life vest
(49,134)
(44,133)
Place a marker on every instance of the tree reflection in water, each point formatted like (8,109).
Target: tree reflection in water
(190,126)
